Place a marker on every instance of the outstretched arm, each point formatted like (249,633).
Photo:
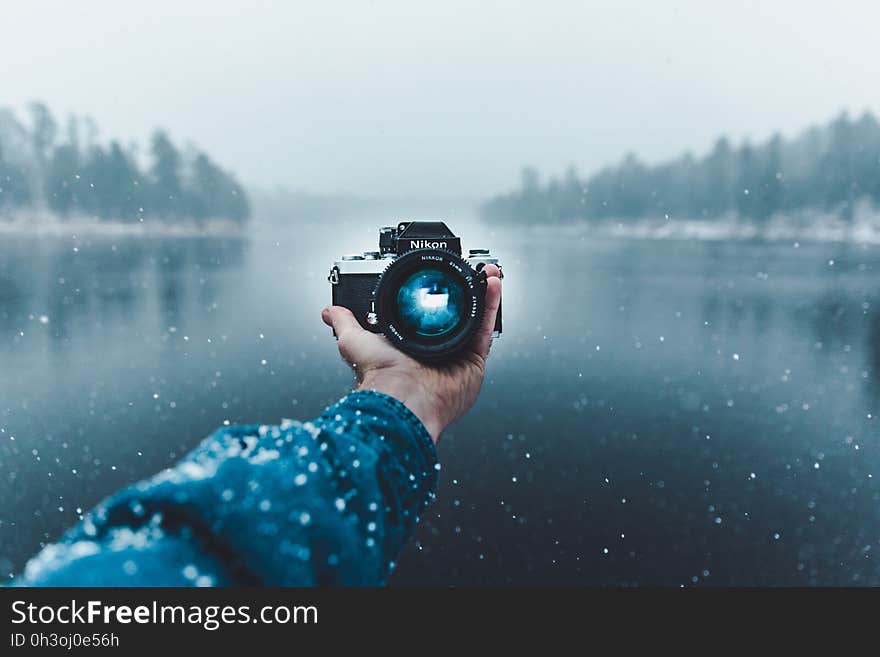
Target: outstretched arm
(326,502)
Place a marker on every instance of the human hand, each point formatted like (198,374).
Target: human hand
(437,393)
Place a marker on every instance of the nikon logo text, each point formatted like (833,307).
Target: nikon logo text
(425,244)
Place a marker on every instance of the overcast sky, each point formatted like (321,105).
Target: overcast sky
(442,98)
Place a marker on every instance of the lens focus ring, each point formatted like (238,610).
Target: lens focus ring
(430,302)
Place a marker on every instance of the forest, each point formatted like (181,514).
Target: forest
(828,168)
(66,171)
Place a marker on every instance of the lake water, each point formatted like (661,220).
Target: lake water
(656,413)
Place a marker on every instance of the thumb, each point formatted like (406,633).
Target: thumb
(343,322)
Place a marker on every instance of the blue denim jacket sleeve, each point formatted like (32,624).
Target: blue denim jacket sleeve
(326,502)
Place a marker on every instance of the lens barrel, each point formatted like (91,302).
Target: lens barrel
(430,303)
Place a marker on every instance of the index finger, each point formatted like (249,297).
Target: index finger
(483,339)
(492,271)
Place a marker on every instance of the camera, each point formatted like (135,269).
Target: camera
(417,289)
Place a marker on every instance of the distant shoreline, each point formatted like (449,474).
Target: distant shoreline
(51,226)
(820,229)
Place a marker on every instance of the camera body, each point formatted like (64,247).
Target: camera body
(357,280)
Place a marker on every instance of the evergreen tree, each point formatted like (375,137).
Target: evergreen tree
(719,180)
(14,189)
(75,175)
(768,180)
(44,130)
(166,187)
(63,180)
(828,168)
(840,182)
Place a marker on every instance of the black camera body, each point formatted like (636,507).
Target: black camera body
(417,289)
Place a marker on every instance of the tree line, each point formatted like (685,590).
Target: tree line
(74,174)
(828,168)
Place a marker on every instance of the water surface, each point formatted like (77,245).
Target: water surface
(657,412)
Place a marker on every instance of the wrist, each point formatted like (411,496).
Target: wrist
(411,394)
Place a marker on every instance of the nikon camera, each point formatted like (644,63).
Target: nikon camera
(417,289)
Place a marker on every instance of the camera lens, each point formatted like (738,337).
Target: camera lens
(430,302)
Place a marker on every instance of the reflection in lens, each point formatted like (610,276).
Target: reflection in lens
(430,302)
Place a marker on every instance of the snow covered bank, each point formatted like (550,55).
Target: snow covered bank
(50,226)
(863,229)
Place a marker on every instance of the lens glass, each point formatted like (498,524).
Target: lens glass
(431,303)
